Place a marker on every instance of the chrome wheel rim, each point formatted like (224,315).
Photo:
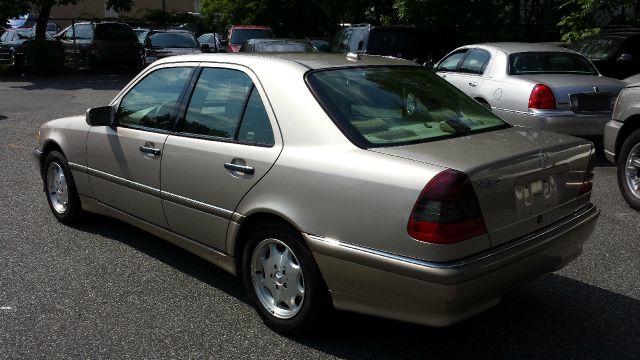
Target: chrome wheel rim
(632,171)
(277,278)
(57,188)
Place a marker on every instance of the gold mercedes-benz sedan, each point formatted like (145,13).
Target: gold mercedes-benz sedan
(358,182)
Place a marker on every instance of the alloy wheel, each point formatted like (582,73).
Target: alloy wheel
(57,188)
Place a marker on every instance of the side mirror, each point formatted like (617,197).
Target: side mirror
(205,48)
(625,57)
(100,116)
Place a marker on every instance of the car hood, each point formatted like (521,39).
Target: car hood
(501,164)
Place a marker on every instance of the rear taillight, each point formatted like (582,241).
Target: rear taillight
(542,98)
(587,183)
(447,210)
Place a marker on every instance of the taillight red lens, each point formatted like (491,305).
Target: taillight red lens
(542,98)
(447,210)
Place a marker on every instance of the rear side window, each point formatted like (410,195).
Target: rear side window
(82,31)
(397,105)
(153,102)
(225,104)
(475,62)
(115,32)
(173,40)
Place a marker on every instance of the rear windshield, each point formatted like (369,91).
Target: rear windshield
(597,48)
(173,40)
(394,41)
(284,47)
(549,63)
(397,105)
(114,32)
(239,36)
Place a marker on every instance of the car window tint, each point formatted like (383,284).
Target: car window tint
(84,31)
(356,41)
(216,104)
(153,102)
(549,63)
(451,62)
(475,62)
(255,126)
(114,32)
(343,43)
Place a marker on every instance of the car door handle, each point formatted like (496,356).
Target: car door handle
(150,150)
(473,84)
(249,170)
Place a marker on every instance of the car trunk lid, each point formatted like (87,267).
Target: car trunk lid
(524,179)
(577,92)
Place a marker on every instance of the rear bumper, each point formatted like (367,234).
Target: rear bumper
(440,294)
(561,121)
(611,130)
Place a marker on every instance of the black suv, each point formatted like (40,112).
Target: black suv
(405,42)
(616,54)
(101,44)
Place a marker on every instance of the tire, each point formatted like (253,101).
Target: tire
(60,188)
(629,170)
(301,297)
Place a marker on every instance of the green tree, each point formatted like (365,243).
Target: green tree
(13,8)
(581,20)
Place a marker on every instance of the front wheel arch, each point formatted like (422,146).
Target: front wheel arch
(630,125)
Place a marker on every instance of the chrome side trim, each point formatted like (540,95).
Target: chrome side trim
(78,167)
(165,195)
(587,213)
(198,205)
(124,182)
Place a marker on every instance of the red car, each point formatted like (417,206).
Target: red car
(239,34)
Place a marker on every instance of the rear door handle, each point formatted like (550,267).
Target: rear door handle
(473,84)
(150,150)
(249,170)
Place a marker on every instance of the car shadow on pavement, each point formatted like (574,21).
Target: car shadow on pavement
(552,317)
(601,159)
(165,252)
(2,117)
(74,82)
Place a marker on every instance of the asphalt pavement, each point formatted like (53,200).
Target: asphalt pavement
(105,289)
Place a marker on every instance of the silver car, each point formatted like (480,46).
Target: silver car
(534,85)
(622,143)
(359,182)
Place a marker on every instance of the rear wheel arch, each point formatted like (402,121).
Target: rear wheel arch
(250,223)
(630,125)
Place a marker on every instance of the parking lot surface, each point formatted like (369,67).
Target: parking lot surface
(105,289)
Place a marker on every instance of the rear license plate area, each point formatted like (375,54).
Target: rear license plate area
(539,192)
(590,102)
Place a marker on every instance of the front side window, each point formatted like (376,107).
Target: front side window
(397,105)
(153,102)
(225,104)
(451,62)
(549,63)
(83,31)
(475,62)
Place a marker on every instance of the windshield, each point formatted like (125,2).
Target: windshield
(173,40)
(394,41)
(549,63)
(284,47)
(397,105)
(600,48)
(239,36)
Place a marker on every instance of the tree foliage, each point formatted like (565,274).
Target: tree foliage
(582,18)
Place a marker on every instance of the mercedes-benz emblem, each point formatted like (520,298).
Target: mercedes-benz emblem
(595,89)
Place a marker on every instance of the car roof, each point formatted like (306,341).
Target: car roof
(516,47)
(238,27)
(308,61)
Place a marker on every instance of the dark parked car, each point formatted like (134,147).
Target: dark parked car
(615,54)
(101,44)
(163,43)
(277,45)
(141,33)
(239,34)
(13,44)
(404,42)
(321,43)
